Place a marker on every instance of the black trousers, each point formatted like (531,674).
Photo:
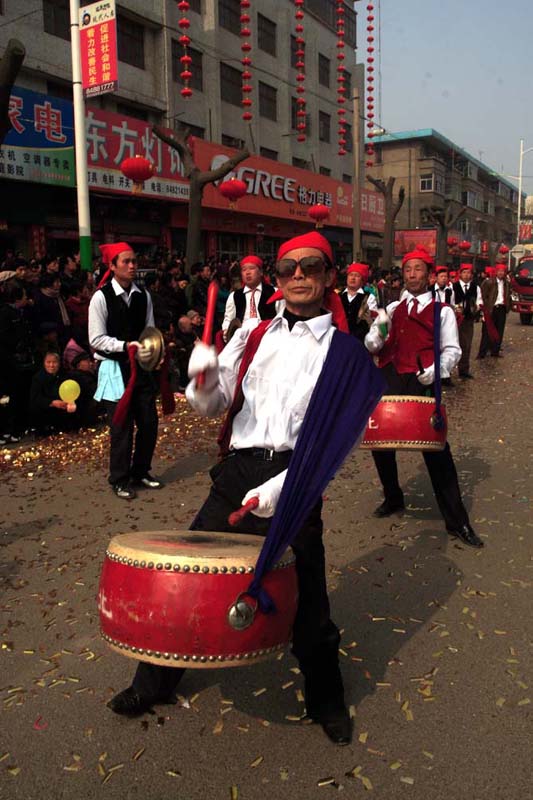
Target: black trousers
(466,334)
(315,637)
(125,462)
(499,317)
(440,465)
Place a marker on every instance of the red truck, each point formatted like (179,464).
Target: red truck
(522,289)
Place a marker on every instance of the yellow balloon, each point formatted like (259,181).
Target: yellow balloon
(69,391)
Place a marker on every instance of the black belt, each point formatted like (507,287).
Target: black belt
(262,454)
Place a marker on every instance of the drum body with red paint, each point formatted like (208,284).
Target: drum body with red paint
(404,422)
(179,599)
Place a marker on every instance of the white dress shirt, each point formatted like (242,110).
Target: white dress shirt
(466,286)
(442,294)
(231,311)
(98,337)
(372,302)
(277,386)
(450,351)
(500,299)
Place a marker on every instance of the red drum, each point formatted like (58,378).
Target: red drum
(404,422)
(179,599)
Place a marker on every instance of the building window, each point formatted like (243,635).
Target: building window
(324,171)
(266,153)
(346,178)
(439,184)
(326,11)
(349,139)
(348,84)
(196,66)
(130,42)
(323,70)
(268,105)
(324,126)
(194,130)
(232,141)
(464,226)
(132,111)
(56,15)
(230,85)
(426,182)
(229,15)
(56,89)
(266,35)
(196,5)
(294,47)
(300,162)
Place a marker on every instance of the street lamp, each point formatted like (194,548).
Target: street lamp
(520,166)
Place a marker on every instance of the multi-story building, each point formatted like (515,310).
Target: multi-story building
(149,81)
(437,173)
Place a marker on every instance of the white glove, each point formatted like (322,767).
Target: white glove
(204,359)
(382,318)
(268,494)
(143,354)
(427,377)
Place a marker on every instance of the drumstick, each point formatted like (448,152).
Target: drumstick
(238,516)
(207,336)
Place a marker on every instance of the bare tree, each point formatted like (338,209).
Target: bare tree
(10,65)
(198,181)
(391,212)
(444,218)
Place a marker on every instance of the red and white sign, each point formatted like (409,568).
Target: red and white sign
(98,46)
(372,211)
(526,231)
(407,240)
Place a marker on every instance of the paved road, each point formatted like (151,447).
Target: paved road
(437,637)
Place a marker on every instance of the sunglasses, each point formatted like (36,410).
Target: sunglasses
(310,265)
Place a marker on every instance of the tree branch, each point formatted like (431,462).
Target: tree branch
(378,183)
(10,65)
(399,202)
(178,142)
(214,175)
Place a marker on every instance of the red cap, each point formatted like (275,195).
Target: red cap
(441,268)
(312,239)
(251,259)
(109,251)
(361,269)
(420,253)
(490,272)
(465,266)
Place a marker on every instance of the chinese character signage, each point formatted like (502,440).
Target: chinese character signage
(40,145)
(98,46)
(372,211)
(407,240)
(526,232)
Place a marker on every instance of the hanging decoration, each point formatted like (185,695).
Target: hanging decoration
(319,213)
(185,60)
(246,61)
(370,19)
(503,249)
(232,189)
(341,79)
(465,246)
(301,113)
(137,169)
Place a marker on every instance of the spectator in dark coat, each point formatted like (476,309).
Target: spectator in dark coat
(48,412)
(49,307)
(199,290)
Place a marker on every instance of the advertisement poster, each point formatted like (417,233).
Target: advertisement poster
(98,47)
(407,240)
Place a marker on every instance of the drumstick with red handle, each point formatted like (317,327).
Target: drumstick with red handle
(207,337)
(238,516)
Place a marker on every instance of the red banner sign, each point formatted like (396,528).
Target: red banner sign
(526,232)
(372,211)
(98,46)
(407,240)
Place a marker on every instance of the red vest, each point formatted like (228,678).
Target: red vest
(410,337)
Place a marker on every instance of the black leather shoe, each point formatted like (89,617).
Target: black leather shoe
(148,482)
(447,382)
(130,703)
(467,535)
(387,508)
(124,491)
(337,726)
(465,375)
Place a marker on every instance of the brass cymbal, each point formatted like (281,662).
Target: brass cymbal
(152,338)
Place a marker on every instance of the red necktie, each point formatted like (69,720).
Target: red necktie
(253,307)
(414,306)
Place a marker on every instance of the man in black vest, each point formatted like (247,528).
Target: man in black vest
(118,313)
(358,304)
(442,290)
(251,301)
(468,301)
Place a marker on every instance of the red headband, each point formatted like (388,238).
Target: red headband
(421,253)
(251,259)
(109,251)
(312,239)
(439,269)
(361,269)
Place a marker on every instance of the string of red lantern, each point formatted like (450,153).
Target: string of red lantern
(246,61)
(370,18)
(301,114)
(184,40)
(341,79)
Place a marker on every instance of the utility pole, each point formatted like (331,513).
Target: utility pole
(356,194)
(80,142)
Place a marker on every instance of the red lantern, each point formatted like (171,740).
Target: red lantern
(465,246)
(232,189)
(137,169)
(503,249)
(452,241)
(185,41)
(319,213)
(300,67)
(246,61)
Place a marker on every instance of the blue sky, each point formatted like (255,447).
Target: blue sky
(463,68)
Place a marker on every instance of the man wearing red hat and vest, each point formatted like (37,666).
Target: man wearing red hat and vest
(468,301)
(118,313)
(406,356)
(267,402)
(358,304)
(250,301)
(496,292)
(442,289)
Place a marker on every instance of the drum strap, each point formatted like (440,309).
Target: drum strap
(438,423)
